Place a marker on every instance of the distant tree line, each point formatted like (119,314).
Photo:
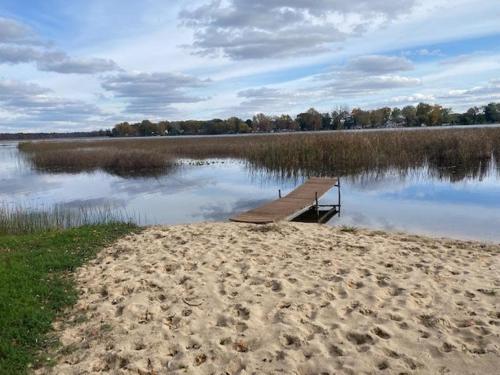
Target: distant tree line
(28,136)
(341,118)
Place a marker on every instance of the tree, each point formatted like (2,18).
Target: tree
(436,115)
(423,113)
(446,115)
(379,117)
(310,120)
(236,125)
(262,123)
(470,117)
(326,121)
(410,114)
(285,122)
(396,115)
(191,127)
(339,117)
(163,127)
(492,113)
(361,118)
(249,123)
(244,128)
(124,129)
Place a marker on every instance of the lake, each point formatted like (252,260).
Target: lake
(416,201)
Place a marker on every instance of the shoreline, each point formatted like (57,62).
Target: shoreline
(290,298)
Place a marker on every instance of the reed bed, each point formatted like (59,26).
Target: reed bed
(456,153)
(118,161)
(26,220)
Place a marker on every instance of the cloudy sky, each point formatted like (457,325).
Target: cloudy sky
(88,64)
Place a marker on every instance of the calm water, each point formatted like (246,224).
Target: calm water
(212,192)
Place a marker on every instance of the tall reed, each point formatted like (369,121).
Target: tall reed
(22,220)
(455,153)
(117,161)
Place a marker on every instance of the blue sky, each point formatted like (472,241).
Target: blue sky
(90,64)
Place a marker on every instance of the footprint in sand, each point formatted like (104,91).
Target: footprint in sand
(384,365)
(381,333)
(290,341)
(335,351)
(275,285)
(359,338)
(242,312)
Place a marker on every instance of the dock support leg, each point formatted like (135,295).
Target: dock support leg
(317,205)
(338,187)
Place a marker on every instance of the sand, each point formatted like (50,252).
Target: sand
(284,299)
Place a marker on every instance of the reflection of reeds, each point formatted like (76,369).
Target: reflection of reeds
(21,220)
(455,153)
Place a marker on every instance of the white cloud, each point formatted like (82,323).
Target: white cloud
(379,64)
(367,75)
(60,63)
(12,31)
(30,103)
(17,54)
(53,61)
(485,92)
(322,53)
(371,85)
(269,100)
(10,89)
(412,99)
(153,93)
(242,29)
(19,44)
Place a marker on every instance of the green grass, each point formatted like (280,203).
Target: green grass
(36,285)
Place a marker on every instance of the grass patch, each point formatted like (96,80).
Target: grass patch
(36,284)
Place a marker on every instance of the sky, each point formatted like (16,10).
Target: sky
(89,64)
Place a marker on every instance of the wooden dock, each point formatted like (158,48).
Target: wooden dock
(301,200)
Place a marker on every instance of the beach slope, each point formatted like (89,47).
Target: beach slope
(225,298)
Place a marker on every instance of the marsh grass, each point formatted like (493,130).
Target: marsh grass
(126,162)
(452,153)
(24,220)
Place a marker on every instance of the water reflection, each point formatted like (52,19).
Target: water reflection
(222,211)
(414,200)
(476,167)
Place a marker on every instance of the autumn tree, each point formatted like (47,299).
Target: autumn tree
(262,123)
(361,118)
(423,113)
(285,122)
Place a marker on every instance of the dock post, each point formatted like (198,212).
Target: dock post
(317,205)
(338,187)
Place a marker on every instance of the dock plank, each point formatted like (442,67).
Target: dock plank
(290,206)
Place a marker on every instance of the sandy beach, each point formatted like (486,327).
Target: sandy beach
(286,298)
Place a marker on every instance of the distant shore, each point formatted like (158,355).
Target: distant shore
(101,136)
(290,298)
